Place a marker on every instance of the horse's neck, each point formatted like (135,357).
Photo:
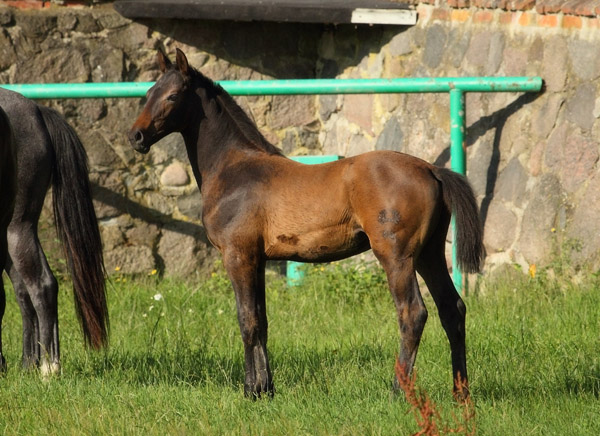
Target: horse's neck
(210,147)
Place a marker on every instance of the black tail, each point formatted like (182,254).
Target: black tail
(460,200)
(77,227)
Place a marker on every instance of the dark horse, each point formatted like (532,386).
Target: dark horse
(8,191)
(48,150)
(258,206)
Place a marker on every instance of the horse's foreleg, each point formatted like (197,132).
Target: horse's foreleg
(247,274)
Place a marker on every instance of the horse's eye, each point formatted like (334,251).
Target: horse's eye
(172,97)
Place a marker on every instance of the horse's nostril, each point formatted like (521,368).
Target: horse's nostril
(138,137)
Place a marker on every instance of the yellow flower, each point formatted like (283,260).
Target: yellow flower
(532,269)
(117,268)
(153,272)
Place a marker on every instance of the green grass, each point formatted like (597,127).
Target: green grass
(175,365)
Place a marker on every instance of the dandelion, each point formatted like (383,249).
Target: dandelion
(153,272)
(157,297)
(532,270)
(117,268)
(553,229)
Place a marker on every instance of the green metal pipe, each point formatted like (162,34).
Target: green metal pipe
(458,163)
(293,270)
(292,87)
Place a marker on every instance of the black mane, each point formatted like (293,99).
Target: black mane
(245,125)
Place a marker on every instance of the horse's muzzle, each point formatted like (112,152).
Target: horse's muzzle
(136,139)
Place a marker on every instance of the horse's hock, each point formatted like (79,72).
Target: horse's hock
(532,159)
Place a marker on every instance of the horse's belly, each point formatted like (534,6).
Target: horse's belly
(322,245)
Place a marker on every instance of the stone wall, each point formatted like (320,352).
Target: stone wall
(532,159)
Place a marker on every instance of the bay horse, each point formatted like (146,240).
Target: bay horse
(49,152)
(259,205)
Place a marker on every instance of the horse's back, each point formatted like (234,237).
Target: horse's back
(28,126)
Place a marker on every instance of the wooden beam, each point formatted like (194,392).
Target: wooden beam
(299,11)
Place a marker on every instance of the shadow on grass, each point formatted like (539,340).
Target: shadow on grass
(585,382)
(202,366)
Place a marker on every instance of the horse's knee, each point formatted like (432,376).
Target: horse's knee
(249,333)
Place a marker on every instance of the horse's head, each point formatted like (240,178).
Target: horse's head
(164,111)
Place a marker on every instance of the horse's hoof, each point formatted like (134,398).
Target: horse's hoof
(256,393)
(49,369)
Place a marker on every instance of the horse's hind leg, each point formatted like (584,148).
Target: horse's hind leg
(247,275)
(37,294)
(411,311)
(31,340)
(432,267)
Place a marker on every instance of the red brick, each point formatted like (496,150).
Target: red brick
(506,17)
(460,15)
(572,22)
(526,19)
(547,20)
(484,16)
(440,14)
(27,4)
(593,23)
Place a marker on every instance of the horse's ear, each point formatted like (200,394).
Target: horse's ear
(182,63)
(163,61)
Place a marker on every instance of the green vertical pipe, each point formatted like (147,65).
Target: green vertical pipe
(458,163)
(293,270)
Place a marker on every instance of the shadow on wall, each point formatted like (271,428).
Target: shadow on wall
(136,210)
(280,50)
(496,121)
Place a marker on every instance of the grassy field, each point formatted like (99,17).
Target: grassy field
(175,361)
